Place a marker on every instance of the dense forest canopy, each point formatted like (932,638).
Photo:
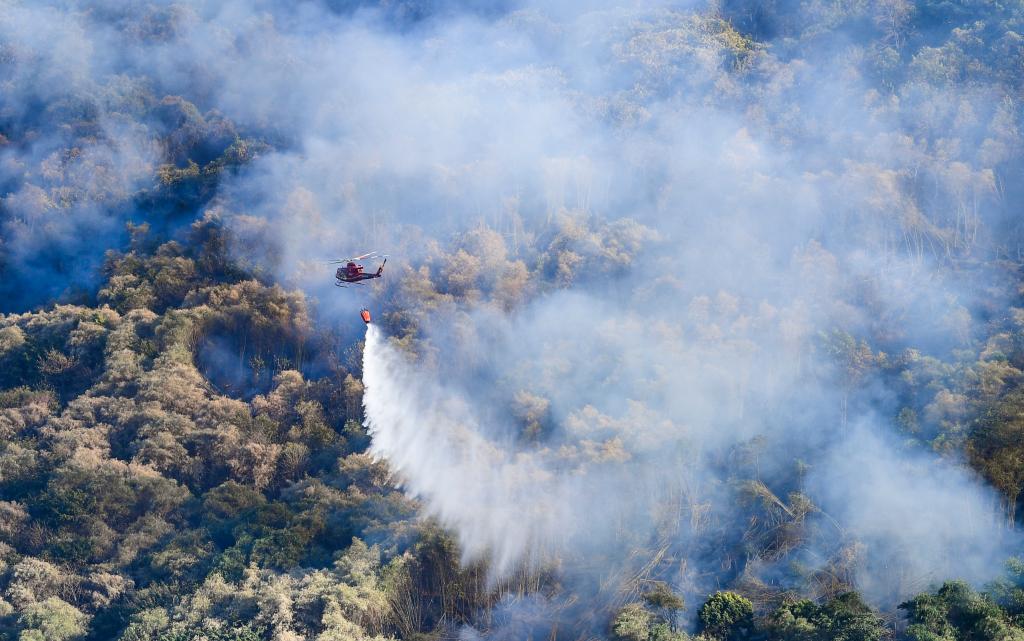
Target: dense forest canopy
(700,319)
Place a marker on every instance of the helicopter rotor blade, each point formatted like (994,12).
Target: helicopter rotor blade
(373,254)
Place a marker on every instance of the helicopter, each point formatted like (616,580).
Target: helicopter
(351,272)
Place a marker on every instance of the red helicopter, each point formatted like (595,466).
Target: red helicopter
(352,272)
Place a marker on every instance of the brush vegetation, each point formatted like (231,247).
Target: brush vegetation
(182,450)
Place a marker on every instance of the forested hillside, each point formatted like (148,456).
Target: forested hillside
(699,320)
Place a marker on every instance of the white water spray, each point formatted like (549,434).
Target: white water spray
(504,505)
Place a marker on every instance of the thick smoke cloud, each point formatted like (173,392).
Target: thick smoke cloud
(61,183)
(689,373)
(726,205)
(652,431)
(898,505)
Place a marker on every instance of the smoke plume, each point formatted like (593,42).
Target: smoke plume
(654,264)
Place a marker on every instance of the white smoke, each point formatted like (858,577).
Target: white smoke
(636,458)
(396,139)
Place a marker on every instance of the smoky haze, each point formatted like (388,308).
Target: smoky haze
(705,343)
(697,217)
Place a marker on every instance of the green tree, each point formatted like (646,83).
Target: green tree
(52,620)
(844,618)
(1008,591)
(664,601)
(634,622)
(956,612)
(726,616)
(996,448)
(204,632)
